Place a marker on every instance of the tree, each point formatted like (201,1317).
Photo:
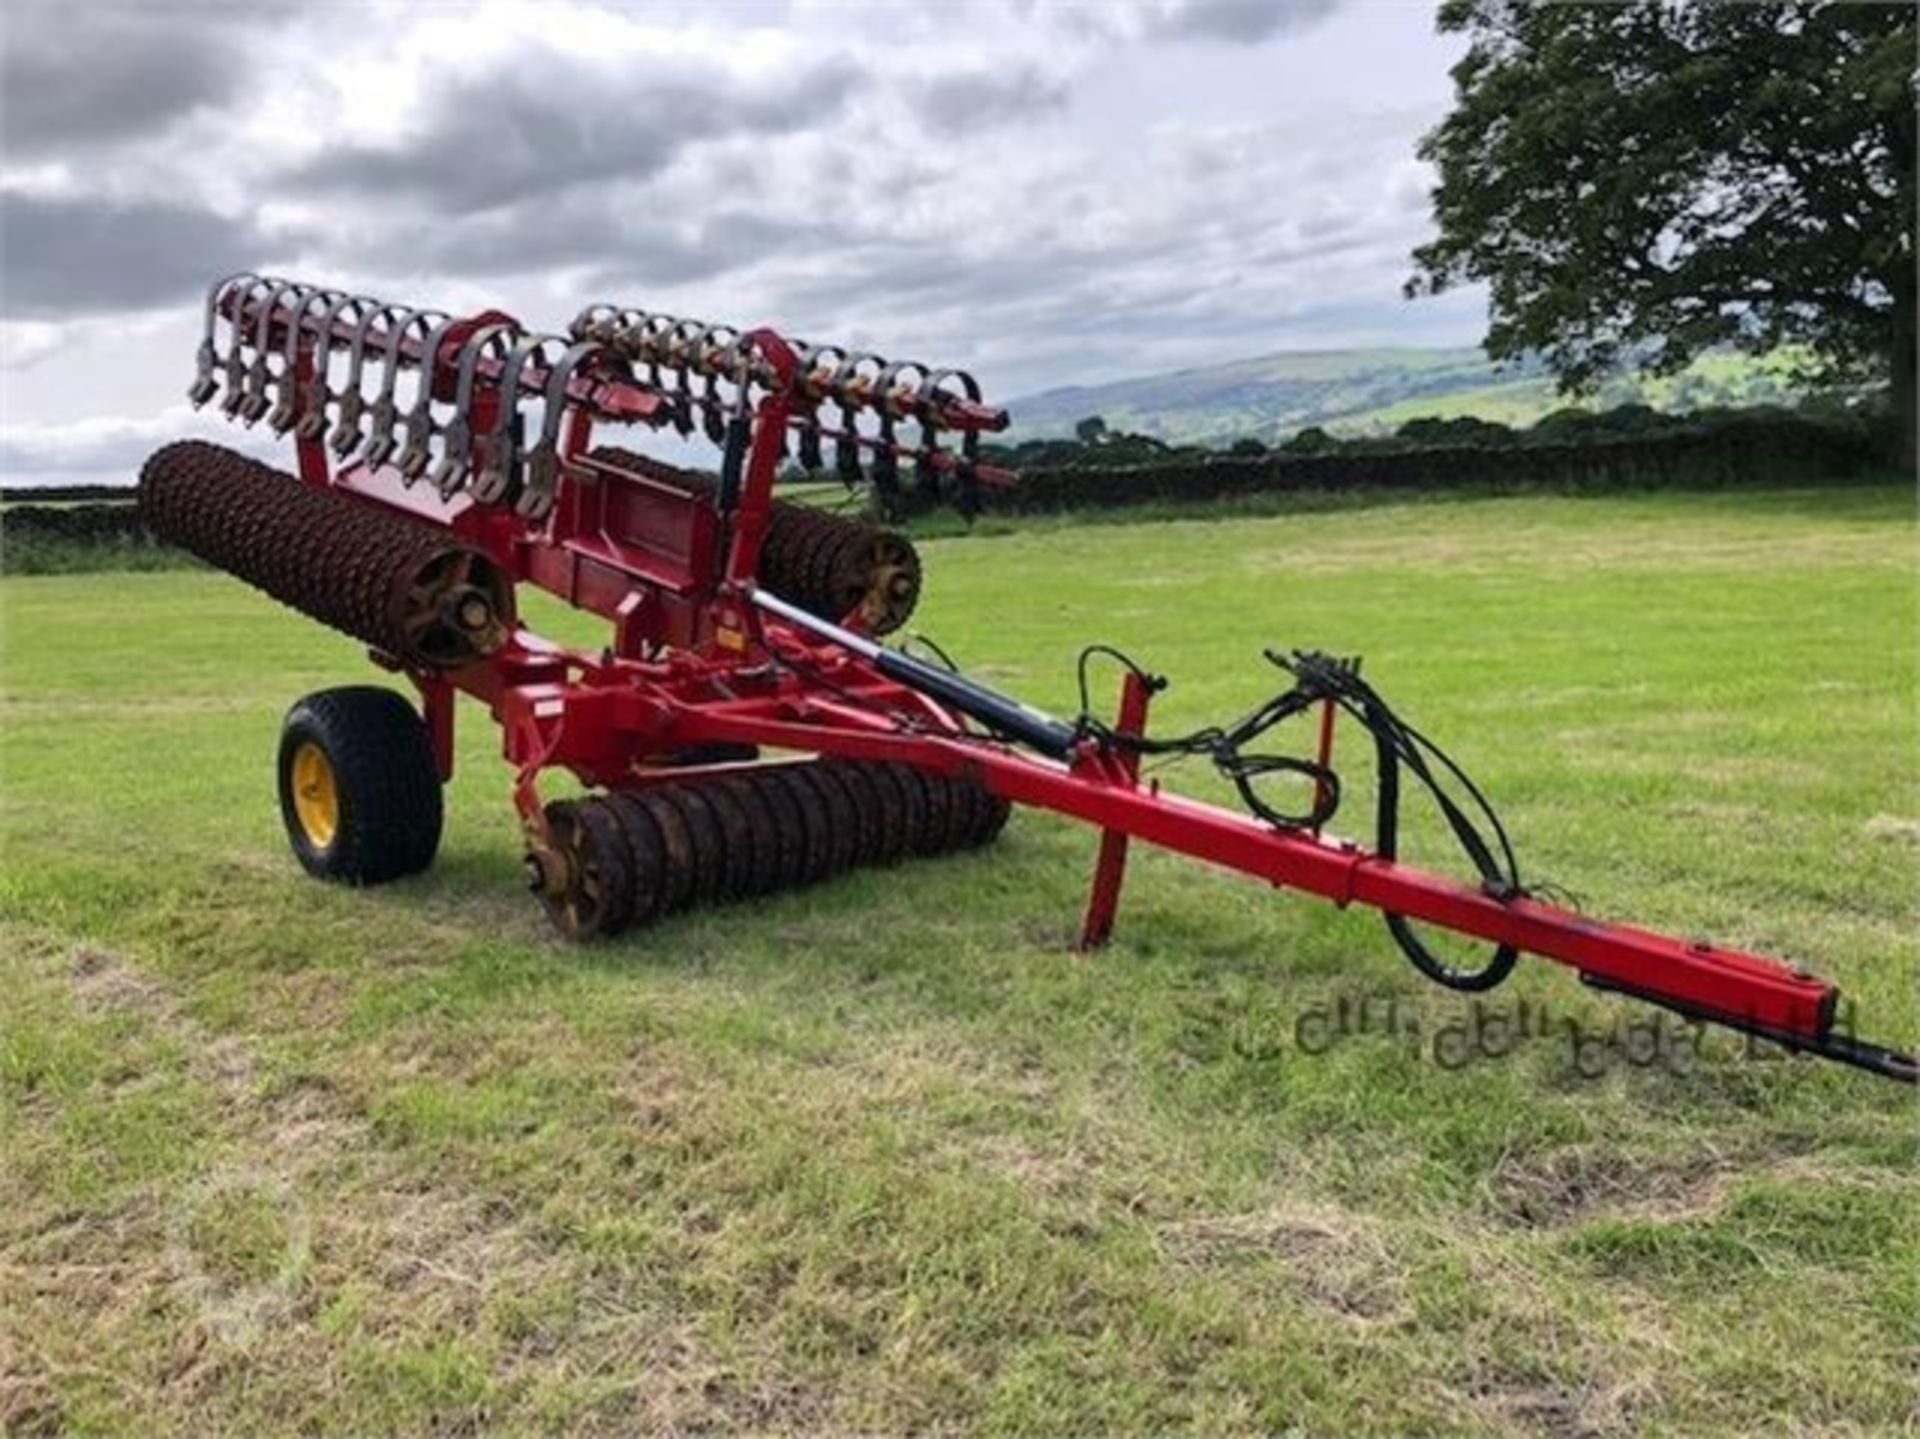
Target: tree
(1639,182)
(1311,441)
(1091,430)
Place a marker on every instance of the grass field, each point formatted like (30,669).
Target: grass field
(885,1156)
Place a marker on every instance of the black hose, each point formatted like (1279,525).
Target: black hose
(1318,679)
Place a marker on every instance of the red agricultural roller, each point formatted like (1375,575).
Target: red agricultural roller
(444,461)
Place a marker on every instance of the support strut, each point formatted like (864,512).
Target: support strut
(1110,869)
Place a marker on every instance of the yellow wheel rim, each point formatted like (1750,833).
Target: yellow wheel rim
(316,795)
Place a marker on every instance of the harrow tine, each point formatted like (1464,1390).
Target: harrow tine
(654,338)
(286,405)
(380,438)
(846,451)
(807,413)
(685,350)
(598,321)
(457,439)
(623,330)
(934,403)
(543,460)
(713,350)
(420,426)
(732,364)
(346,436)
(896,389)
(811,460)
(205,386)
(235,364)
(451,472)
(886,462)
(850,385)
(253,407)
(892,393)
(312,424)
(499,472)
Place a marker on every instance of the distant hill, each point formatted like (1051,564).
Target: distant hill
(1364,391)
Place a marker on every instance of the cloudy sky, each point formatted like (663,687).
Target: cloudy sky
(1046,193)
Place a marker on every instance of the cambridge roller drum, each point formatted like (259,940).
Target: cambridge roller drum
(443,461)
(403,587)
(643,854)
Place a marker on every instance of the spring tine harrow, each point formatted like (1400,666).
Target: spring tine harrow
(675,351)
(275,363)
(742,622)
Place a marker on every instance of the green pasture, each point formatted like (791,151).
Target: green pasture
(887,1156)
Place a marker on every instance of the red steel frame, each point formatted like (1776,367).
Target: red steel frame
(694,662)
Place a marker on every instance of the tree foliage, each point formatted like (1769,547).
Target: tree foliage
(1639,182)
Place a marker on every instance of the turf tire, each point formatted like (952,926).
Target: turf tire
(387,783)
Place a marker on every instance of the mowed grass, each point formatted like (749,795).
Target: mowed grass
(886,1155)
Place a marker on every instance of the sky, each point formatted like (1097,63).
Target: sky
(1044,193)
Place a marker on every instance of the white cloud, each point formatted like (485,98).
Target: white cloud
(1014,188)
(104,450)
(25,343)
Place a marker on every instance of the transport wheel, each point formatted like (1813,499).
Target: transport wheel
(359,789)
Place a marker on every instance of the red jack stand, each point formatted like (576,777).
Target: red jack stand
(1111,868)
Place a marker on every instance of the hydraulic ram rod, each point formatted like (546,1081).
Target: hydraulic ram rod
(1742,991)
(998,712)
